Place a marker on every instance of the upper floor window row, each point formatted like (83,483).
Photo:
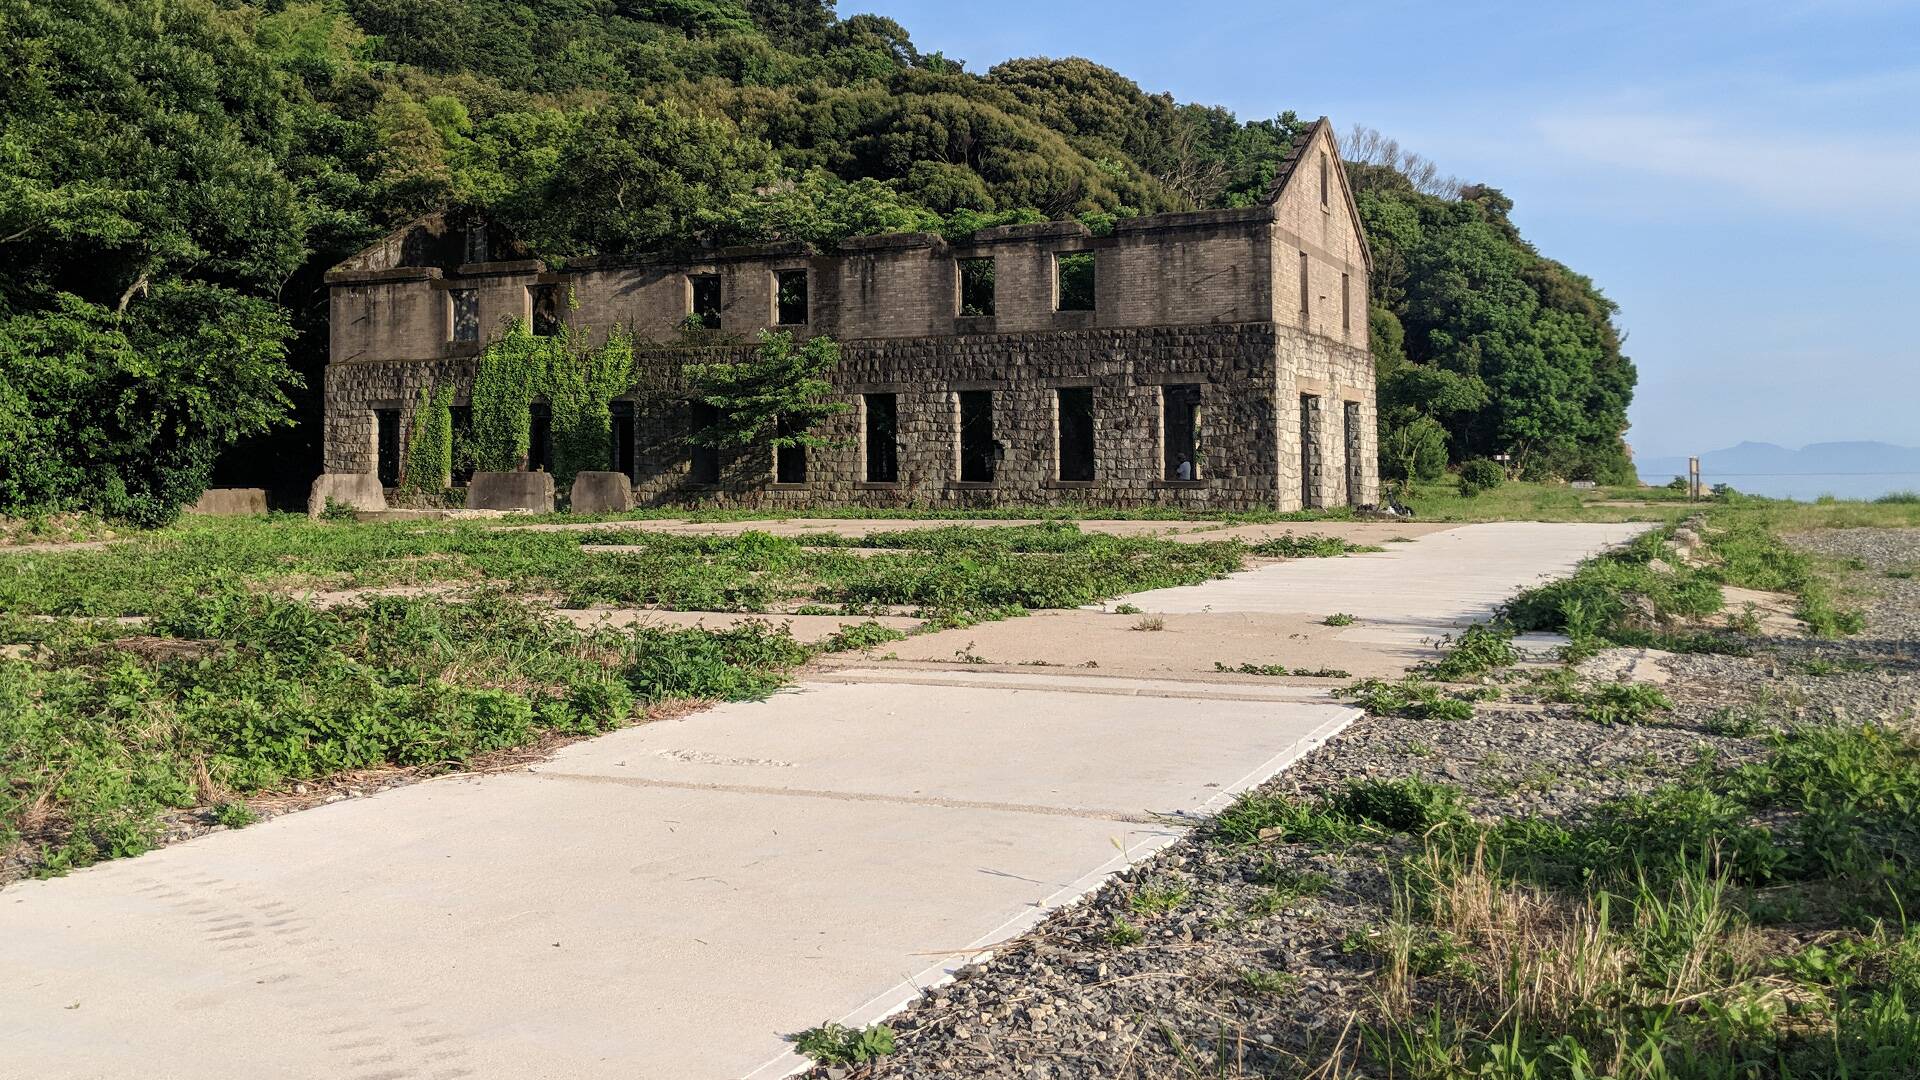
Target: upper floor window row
(791,304)
(977,292)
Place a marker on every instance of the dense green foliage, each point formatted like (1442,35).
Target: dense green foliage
(430,441)
(576,378)
(146,223)
(774,396)
(1507,351)
(176,175)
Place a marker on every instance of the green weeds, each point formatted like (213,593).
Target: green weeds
(841,1046)
(1480,648)
(1622,703)
(234,692)
(1742,922)
(1359,810)
(1157,898)
(1410,698)
(863,637)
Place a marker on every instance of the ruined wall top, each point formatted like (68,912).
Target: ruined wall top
(440,285)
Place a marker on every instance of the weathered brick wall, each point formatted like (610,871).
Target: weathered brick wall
(1209,298)
(355,390)
(1232,364)
(1327,233)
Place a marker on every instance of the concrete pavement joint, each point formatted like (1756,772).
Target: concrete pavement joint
(1132,817)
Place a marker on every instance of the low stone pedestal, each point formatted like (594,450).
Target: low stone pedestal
(601,493)
(511,491)
(357,491)
(230,502)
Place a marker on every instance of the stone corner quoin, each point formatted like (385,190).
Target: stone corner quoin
(1222,364)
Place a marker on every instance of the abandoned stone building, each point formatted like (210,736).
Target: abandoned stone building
(1208,360)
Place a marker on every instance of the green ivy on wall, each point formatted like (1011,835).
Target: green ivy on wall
(577,381)
(430,444)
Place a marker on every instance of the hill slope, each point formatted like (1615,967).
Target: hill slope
(185,170)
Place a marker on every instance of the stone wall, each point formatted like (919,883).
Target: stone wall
(1233,365)
(1212,299)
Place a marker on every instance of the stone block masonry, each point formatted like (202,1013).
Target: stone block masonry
(1220,353)
(531,491)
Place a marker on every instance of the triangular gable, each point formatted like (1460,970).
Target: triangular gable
(1283,179)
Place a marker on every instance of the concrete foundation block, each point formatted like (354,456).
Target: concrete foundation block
(511,491)
(601,493)
(230,502)
(359,491)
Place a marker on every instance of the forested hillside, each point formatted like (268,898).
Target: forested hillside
(176,175)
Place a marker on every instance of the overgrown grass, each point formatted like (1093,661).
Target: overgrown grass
(1741,922)
(231,692)
(979,572)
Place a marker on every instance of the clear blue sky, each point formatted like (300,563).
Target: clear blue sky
(1742,178)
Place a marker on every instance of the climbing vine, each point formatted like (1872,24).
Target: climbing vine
(430,444)
(577,381)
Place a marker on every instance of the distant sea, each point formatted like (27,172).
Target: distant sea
(1850,470)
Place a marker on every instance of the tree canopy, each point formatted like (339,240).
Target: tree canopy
(177,171)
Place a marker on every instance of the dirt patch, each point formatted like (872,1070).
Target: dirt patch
(806,628)
(1182,645)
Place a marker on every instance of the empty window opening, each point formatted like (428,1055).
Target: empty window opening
(1351,433)
(1310,452)
(465,322)
(1074,284)
(1323,180)
(1346,302)
(539,437)
(791,294)
(1304,306)
(1075,432)
(883,435)
(789,461)
(703,461)
(463,463)
(706,299)
(622,425)
(976,287)
(977,448)
(1180,431)
(546,310)
(476,244)
(387,446)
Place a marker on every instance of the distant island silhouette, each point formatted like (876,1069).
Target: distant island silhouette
(1856,470)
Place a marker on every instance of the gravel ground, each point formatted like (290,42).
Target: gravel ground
(1248,966)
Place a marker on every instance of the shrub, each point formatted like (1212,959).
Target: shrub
(1416,450)
(1480,475)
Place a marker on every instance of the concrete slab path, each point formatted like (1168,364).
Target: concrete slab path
(670,900)
(667,901)
(1409,592)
